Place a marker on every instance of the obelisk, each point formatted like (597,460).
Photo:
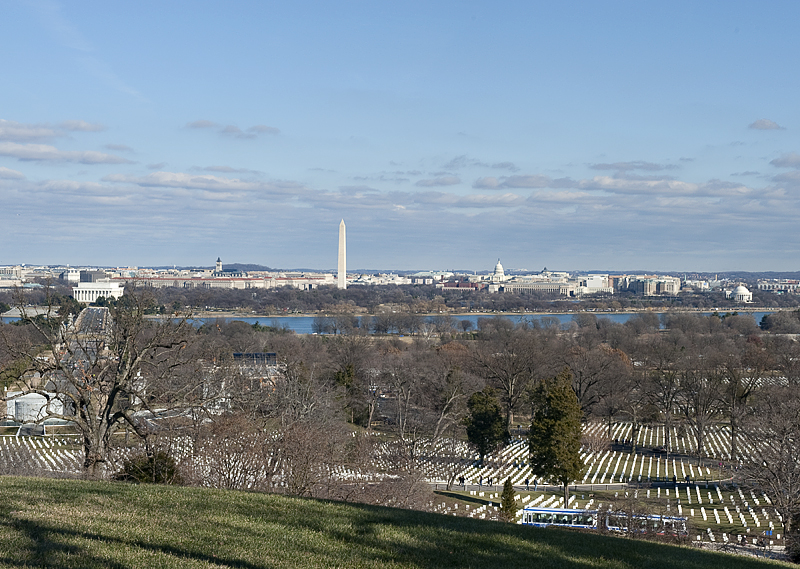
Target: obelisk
(342,256)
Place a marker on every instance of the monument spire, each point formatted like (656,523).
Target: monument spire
(342,276)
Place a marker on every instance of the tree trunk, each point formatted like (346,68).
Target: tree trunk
(95,453)
(566,495)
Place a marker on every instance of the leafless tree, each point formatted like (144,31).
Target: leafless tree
(511,359)
(772,429)
(106,369)
(701,381)
(659,357)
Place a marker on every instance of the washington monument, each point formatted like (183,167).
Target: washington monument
(342,256)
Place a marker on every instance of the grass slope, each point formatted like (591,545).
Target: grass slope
(69,523)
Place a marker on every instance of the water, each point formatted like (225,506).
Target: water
(305,324)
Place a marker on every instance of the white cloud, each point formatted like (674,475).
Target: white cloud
(46,153)
(791,178)
(441,181)
(634,165)
(225,170)
(492,183)
(505,166)
(464,161)
(19,132)
(765,124)
(791,160)
(9,174)
(119,147)
(81,126)
(209,183)
(263,129)
(233,130)
(236,132)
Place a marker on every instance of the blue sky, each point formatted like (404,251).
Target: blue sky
(572,135)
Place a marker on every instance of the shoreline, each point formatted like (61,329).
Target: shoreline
(600,313)
(205,314)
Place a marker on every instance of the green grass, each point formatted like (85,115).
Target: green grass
(69,523)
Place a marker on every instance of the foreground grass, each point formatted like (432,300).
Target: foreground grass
(69,523)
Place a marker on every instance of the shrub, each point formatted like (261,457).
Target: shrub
(151,468)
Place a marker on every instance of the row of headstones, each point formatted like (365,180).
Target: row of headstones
(721,501)
(614,473)
(45,453)
(716,443)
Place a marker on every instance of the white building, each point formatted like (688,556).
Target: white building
(71,275)
(740,294)
(87,293)
(31,407)
(499,274)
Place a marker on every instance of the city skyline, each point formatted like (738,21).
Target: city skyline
(607,137)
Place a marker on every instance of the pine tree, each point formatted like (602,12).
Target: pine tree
(508,505)
(486,428)
(555,435)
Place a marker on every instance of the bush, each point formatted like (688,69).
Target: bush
(153,468)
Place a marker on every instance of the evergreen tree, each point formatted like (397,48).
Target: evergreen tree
(555,435)
(508,505)
(486,428)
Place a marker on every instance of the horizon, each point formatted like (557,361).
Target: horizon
(361,270)
(612,134)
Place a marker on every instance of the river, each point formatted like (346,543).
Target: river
(305,324)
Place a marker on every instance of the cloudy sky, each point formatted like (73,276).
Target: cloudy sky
(573,135)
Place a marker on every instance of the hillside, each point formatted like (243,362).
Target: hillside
(69,523)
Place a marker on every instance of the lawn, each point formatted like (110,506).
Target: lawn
(70,523)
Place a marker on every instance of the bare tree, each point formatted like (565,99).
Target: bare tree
(771,428)
(700,401)
(660,358)
(593,365)
(510,359)
(103,370)
(745,365)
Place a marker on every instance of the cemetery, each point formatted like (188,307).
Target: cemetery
(719,508)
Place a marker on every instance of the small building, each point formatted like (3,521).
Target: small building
(31,407)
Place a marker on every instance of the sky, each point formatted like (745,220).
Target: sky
(660,136)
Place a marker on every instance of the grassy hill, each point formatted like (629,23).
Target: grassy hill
(69,523)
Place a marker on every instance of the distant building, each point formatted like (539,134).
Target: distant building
(14,272)
(219,272)
(71,275)
(740,294)
(779,285)
(499,274)
(92,276)
(88,292)
(647,285)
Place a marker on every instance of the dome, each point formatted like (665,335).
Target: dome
(741,294)
(499,273)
